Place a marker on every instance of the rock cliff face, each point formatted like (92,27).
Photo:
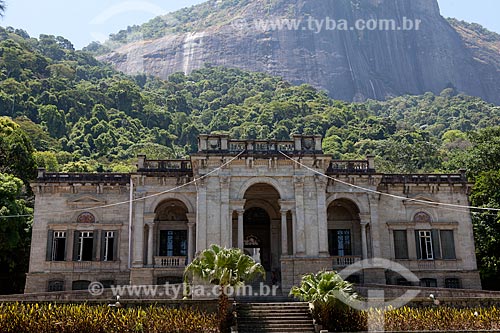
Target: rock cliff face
(350,64)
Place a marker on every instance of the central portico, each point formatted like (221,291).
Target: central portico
(261,202)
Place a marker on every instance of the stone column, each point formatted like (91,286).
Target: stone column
(374,225)
(321,184)
(294,230)
(364,243)
(138,232)
(240,212)
(226,228)
(191,226)
(150,243)
(201,215)
(284,232)
(299,209)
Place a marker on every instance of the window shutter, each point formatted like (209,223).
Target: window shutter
(400,244)
(115,247)
(66,246)
(95,240)
(417,243)
(448,244)
(436,244)
(75,245)
(103,245)
(50,241)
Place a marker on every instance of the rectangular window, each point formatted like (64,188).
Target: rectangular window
(425,242)
(173,243)
(58,251)
(435,244)
(339,242)
(85,246)
(109,246)
(400,244)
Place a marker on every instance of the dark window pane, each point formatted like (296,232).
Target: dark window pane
(429,283)
(56,285)
(85,246)
(107,283)
(452,283)
(59,249)
(425,245)
(339,242)
(173,243)
(80,285)
(87,249)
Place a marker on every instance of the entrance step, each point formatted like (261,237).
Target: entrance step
(284,317)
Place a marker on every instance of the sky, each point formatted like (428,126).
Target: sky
(85,21)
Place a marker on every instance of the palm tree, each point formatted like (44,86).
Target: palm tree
(224,267)
(2,7)
(330,296)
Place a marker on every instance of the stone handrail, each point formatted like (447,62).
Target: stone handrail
(349,167)
(170,262)
(425,179)
(52,177)
(344,261)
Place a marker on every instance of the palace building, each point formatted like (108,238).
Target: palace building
(270,198)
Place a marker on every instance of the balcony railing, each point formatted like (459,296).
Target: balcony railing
(344,261)
(425,179)
(261,146)
(431,264)
(169,166)
(114,178)
(170,262)
(83,266)
(349,167)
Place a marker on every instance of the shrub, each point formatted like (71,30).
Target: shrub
(325,291)
(48,318)
(442,318)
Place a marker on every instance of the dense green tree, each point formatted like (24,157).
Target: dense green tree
(16,151)
(46,160)
(487,227)
(15,233)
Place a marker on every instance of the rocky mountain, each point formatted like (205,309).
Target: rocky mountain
(295,39)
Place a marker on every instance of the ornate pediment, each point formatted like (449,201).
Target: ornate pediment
(420,201)
(86,202)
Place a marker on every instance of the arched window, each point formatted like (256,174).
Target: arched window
(80,285)
(428,282)
(55,285)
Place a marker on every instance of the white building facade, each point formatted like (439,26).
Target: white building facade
(293,208)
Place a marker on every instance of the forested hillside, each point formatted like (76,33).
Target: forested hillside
(77,109)
(81,115)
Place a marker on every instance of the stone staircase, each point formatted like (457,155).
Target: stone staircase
(289,317)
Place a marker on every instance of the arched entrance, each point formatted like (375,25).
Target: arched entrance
(257,240)
(169,235)
(344,232)
(262,225)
